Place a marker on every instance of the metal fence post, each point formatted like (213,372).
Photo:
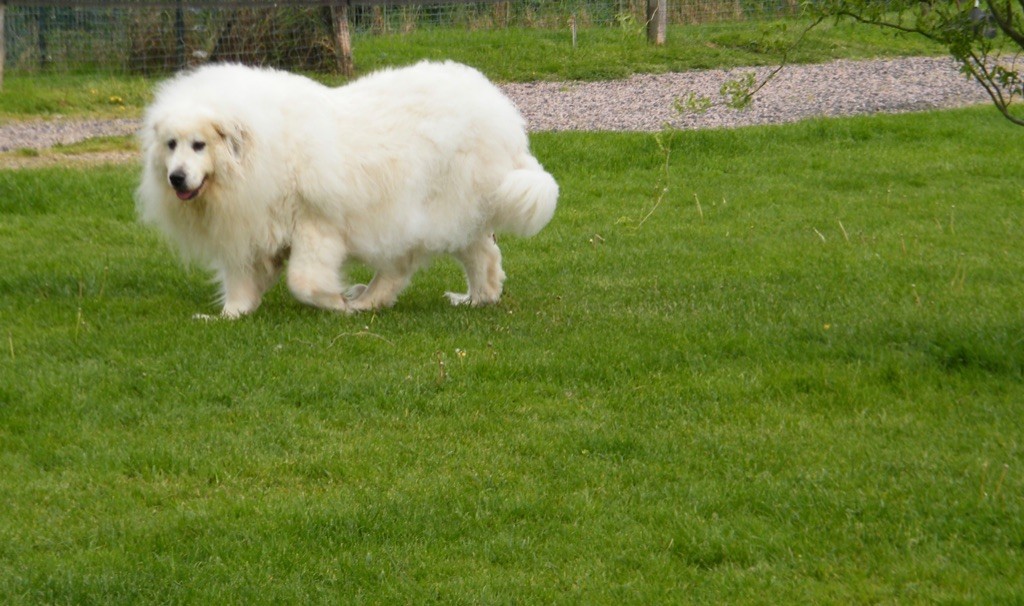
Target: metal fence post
(3,41)
(179,34)
(657,21)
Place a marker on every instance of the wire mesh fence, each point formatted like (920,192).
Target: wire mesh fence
(152,37)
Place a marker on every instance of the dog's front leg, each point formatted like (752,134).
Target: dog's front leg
(242,292)
(318,252)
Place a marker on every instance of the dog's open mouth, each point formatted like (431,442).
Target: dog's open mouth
(189,194)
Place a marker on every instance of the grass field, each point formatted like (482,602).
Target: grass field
(505,55)
(795,379)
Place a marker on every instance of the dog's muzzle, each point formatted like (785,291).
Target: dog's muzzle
(179,183)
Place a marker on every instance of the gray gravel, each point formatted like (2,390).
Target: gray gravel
(38,134)
(646,102)
(841,88)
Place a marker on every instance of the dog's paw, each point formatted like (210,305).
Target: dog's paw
(458,299)
(355,291)
(217,318)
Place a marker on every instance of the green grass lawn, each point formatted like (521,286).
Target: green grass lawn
(797,379)
(506,55)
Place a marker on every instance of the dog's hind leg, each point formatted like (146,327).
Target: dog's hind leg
(316,259)
(384,288)
(482,262)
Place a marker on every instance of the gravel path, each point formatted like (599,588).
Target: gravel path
(39,134)
(645,102)
(841,88)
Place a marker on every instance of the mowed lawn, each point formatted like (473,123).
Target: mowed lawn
(796,376)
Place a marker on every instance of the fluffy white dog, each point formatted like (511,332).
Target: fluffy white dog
(247,169)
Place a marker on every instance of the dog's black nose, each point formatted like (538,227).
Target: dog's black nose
(177,179)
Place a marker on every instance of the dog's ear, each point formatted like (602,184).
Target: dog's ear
(236,138)
(146,136)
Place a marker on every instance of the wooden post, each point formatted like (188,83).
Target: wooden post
(3,51)
(657,21)
(501,14)
(379,24)
(343,39)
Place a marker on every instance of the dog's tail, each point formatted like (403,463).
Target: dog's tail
(526,199)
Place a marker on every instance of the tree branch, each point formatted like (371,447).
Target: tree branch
(978,69)
(1005,21)
(785,56)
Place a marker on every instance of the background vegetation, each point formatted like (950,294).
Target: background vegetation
(158,37)
(505,55)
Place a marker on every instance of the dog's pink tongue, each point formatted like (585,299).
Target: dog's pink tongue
(185,195)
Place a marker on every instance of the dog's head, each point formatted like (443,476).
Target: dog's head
(191,149)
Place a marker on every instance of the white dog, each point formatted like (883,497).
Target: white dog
(249,168)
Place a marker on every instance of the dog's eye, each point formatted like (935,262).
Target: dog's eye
(199,146)
(172,144)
